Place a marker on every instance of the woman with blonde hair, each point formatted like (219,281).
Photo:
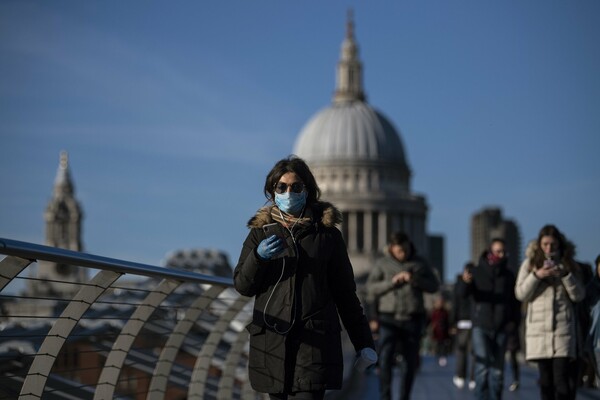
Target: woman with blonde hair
(551,282)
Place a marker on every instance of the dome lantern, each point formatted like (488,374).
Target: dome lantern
(349,70)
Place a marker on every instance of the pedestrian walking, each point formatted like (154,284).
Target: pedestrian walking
(491,288)
(593,303)
(295,265)
(439,321)
(550,282)
(395,288)
(461,326)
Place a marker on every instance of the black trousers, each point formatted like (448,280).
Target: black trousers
(464,355)
(403,337)
(558,377)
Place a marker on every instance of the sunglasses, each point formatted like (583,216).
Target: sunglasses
(296,187)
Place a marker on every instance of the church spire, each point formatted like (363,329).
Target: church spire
(63,214)
(63,218)
(349,70)
(63,185)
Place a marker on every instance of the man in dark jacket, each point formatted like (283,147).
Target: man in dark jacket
(495,311)
(462,325)
(395,289)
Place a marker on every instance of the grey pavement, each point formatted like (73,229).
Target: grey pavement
(435,382)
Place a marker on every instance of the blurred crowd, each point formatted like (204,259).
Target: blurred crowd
(547,315)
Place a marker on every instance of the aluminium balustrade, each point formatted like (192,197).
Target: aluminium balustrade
(166,334)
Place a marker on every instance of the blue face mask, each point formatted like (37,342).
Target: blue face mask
(290,202)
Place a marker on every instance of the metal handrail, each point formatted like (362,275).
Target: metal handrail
(33,251)
(213,292)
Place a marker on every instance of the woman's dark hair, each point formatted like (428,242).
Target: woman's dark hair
(401,239)
(299,167)
(549,230)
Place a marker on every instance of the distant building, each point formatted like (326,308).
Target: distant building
(488,224)
(201,261)
(436,254)
(63,218)
(360,164)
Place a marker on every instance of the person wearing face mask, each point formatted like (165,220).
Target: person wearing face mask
(490,287)
(303,285)
(550,282)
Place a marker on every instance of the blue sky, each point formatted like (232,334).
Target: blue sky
(173,112)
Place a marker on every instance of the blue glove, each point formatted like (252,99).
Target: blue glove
(269,247)
(366,358)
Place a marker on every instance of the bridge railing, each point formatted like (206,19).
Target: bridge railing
(131,331)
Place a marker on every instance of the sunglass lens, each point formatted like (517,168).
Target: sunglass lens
(296,187)
(281,188)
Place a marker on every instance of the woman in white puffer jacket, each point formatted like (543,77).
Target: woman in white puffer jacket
(551,282)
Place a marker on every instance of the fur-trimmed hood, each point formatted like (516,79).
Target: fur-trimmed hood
(324,213)
(532,246)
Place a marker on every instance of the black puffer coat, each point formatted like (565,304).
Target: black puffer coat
(316,289)
(495,306)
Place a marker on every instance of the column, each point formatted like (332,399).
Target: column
(382,228)
(352,228)
(368,232)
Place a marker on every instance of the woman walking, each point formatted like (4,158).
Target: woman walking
(551,282)
(294,263)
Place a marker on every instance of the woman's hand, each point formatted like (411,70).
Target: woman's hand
(269,247)
(547,270)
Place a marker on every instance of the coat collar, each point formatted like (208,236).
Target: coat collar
(324,213)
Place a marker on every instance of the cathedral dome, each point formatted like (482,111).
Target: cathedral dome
(349,130)
(359,162)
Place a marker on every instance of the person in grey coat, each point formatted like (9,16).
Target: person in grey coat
(395,289)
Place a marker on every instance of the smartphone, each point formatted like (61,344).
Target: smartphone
(277,230)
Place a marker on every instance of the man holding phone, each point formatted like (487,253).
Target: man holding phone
(395,288)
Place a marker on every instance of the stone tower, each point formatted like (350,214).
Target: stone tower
(63,219)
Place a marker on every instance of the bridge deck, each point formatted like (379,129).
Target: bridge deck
(434,382)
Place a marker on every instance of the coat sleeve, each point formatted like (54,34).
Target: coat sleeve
(573,284)
(377,285)
(343,289)
(425,279)
(250,270)
(457,299)
(526,283)
(514,303)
